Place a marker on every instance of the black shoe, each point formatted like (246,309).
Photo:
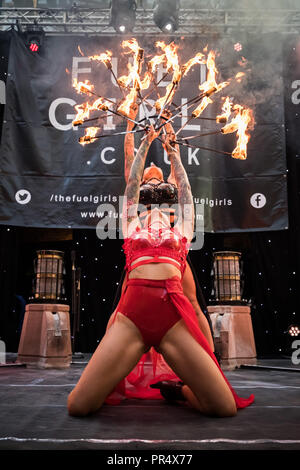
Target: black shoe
(170,390)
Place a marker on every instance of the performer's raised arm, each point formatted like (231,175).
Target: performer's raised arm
(169,130)
(129,142)
(132,192)
(185,198)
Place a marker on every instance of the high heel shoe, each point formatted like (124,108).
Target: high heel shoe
(170,390)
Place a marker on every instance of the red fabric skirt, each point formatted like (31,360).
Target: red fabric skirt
(152,368)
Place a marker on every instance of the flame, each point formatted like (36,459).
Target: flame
(171,56)
(83,87)
(155,61)
(135,68)
(89,135)
(105,58)
(135,81)
(203,104)
(198,59)
(210,86)
(84,110)
(239,76)
(133,76)
(101,104)
(124,107)
(170,53)
(240,124)
(226,108)
(234,124)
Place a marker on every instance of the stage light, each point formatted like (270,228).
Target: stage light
(294,330)
(166,15)
(34,46)
(122,15)
(238,46)
(34,37)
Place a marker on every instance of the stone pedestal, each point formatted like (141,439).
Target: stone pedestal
(45,339)
(233,332)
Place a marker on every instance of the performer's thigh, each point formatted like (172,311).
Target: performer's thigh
(117,354)
(197,370)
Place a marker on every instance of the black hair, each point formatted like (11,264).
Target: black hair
(161,193)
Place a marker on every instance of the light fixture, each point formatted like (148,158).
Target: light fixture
(34,37)
(122,15)
(238,47)
(228,278)
(166,15)
(294,330)
(48,282)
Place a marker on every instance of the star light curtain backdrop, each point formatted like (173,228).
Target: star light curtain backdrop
(49,180)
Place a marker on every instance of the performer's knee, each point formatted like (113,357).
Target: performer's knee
(77,407)
(227,410)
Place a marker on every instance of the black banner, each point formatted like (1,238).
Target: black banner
(49,180)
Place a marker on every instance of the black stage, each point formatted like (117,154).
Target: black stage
(33,414)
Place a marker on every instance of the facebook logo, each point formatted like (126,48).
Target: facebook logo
(258,200)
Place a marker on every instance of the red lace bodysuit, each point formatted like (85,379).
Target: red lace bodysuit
(157,243)
(155,306)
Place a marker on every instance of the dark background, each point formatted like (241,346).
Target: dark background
(271,259)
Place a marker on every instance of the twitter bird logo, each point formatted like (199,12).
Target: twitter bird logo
(23,196)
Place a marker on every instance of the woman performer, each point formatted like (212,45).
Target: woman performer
(153,310)
(153,175)
(152,378)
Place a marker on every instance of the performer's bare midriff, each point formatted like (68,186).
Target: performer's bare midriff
(124,342)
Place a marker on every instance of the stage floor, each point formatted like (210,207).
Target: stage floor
(33,414)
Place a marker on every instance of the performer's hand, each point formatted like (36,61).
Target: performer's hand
(168,125)
(169,143)
(166,114)
(133,111)
(152,134)
(132,115)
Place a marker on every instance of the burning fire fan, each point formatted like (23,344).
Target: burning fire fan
(234,118)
